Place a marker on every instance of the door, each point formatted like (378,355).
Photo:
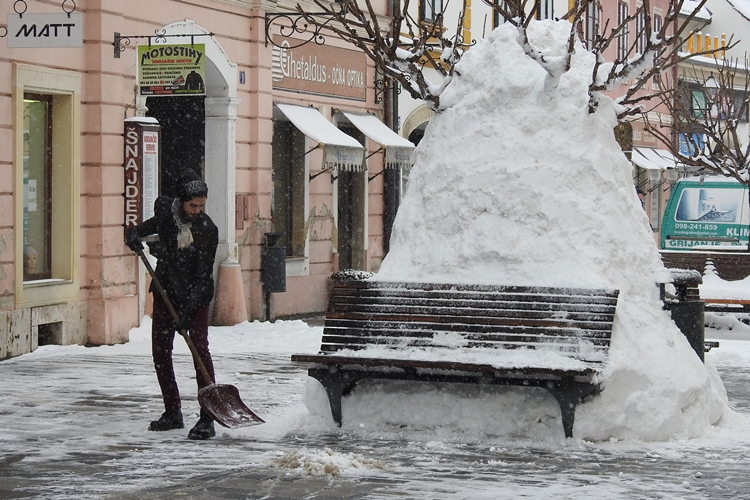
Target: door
(183,137)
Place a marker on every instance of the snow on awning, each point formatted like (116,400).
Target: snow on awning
(653,159)
(398,149)
(340,151)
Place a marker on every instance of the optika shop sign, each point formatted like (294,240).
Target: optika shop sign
(326,71)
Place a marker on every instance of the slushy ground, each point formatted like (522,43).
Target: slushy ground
(73,423)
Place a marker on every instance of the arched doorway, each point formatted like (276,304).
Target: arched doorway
(201,132)
(218,118)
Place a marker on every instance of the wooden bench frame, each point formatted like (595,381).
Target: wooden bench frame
(365,313)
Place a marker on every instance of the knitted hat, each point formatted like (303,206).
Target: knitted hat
(190,185)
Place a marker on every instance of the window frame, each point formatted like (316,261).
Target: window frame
(545,9)
(433,5)
(64,89)
(593,22)
(640,31)
(623,11)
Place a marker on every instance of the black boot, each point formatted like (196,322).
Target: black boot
(204,429)
(168,421)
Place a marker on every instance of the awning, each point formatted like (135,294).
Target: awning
(398,149)
(340,151)
(653,159)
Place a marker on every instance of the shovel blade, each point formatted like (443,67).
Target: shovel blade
(223,403)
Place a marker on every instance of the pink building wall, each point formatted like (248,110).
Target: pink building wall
(110,298)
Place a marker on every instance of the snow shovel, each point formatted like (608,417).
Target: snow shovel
(221,401)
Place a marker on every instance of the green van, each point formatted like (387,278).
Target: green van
(706,213)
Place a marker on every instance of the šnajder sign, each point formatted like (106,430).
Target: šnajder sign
(165,70)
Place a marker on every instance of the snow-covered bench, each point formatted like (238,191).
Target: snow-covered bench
(553,338)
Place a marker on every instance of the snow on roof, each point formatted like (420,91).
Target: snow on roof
(741,6)
(703,15)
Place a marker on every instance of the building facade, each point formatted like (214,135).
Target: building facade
(282,132)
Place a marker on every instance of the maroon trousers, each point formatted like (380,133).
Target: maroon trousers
(163,330)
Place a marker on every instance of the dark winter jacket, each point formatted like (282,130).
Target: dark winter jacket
(186,274)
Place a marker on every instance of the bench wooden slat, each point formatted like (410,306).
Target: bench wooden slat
(491,341)
(551,297)
(473,332)
(726,301)
(571,348)
(499,309)
(344,303)
(508,320)
(398,287)
(438,365)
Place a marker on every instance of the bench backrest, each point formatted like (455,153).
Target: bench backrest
(577,322)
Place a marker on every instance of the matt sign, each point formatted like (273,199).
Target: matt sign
(172,69)
(45,31)
(328,71)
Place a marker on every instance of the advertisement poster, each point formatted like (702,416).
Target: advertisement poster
(172,70)
(706,214)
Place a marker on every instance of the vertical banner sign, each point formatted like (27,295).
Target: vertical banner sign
(172,69)
(141,169)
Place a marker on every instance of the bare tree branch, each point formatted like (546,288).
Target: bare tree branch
(708,130)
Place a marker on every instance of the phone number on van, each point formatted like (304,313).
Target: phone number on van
(703,227)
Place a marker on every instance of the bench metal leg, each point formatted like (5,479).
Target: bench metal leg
(568,394)
(337,384)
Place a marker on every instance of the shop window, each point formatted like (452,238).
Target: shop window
(37,184)
(289,187)
(47,163)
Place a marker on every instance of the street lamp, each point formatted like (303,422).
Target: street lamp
(711,86)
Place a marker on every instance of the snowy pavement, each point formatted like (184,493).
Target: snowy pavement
(73,423)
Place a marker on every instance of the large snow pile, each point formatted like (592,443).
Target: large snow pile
(518,184)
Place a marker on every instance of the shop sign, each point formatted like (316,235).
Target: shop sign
(170,69)
(141,167)
(45,31)
(319,70)
(641,137)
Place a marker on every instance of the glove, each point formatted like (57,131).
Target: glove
(184,323)
(133,239)
(185,314)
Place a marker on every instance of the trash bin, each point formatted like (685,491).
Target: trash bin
(686,308)
(273,269)
(689,318)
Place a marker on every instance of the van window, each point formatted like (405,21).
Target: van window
(709,205)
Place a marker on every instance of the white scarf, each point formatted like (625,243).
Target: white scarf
(184,234)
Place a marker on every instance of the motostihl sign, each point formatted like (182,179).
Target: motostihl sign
(45,30)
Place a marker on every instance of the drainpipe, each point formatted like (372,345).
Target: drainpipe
(391,178)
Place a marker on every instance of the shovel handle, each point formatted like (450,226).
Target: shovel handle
(196,357)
